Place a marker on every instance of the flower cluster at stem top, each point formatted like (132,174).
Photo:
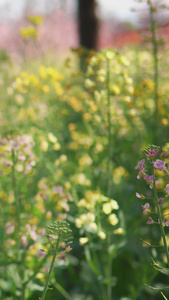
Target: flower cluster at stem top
(95,211)
(151,168)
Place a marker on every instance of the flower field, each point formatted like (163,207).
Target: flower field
(75,220)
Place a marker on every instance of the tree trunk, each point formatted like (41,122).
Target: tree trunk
(87,24)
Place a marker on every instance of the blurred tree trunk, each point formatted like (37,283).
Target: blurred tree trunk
(87,24)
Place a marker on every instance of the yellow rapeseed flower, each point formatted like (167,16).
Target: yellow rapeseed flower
(107,208)
(114,204)
(44,146)
(43,72)
(118,231)
(78,223)
(102,235)
(36,20)
(83,240)
(45,89)
(52,138)
(29,32)
(56,146)
(113,220)
(123,60)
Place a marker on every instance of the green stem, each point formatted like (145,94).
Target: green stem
(22,274)
(156,73)
(18,225)
(109,167)
(14,185)
(160,219)
(23,293)
(51,266)
(109,269)
(164,296)
(109,171)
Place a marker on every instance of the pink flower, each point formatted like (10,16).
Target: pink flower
(156,182)
(152,153)
(139,175)
(68,249)
(165,154)
(167,189)
(24,241)
(10,229)
(33,235)
(148,178)
(28,227)
(150,221)
(14,145)
(58,190)
(140,165)
(166,223)
(159,164)
(160,201)
(138,195)
(145,208)
(41,254)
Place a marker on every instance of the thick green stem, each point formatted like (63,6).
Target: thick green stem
(160,219)
(51,266)
(156,73)
(23,293)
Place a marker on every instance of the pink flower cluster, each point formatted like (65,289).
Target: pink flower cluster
(158,164)
(24,156)
(153,160)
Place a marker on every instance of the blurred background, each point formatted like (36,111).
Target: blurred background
(85,123)
(118,23)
